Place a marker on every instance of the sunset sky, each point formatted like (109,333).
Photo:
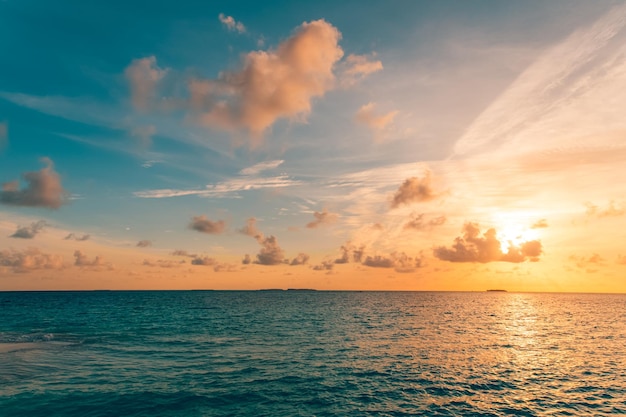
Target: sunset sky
(375,145)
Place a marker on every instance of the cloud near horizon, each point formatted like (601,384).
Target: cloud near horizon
(43,189)
(400,262)
(472,247)
(95,264)
(28,260)
(204,225)
(144,243)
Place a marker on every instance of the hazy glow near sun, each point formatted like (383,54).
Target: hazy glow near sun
(515,235)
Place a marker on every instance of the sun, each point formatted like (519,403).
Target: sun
(515,235)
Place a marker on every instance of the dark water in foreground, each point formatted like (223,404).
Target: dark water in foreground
(311,354)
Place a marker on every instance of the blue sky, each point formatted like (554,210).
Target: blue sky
(311,118)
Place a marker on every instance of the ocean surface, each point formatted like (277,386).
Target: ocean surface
(306,353)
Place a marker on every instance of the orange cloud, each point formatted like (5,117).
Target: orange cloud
(472,247)
(143,76)
(350,252)
(95,264)
(144,243)
(204,225)
(417,222)
(540,224)
(322,218)
(612,210)
(301,259)
(400,262)
(28,260)
(271,84)
(43,189)
(377,122)
(414,190)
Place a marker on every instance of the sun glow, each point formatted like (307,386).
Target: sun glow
(515,235)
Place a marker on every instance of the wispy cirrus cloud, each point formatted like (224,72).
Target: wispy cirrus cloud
(228,188)
(261,166)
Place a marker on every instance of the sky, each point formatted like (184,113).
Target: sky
(380,145)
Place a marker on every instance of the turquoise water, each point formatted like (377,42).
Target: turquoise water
(294,353)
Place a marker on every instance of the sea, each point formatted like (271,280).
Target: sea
(311,353)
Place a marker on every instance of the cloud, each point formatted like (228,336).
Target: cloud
(271,84)
(260,167)
(417,222)
(322,218)
(271,253)
(73,236)
(250,228)
(231,23)
(204,225)
(324,266)
(204,261)
(162,263)
(540,224)
(97,263)
(180,252)
(28,260)
(472,247)
(301,259)
(43,189)
(401,262)
(29,232)
(143,76)
(349,252)
(590,264)
(414,190)
(144,243)
(612,210)
(356,67)
(247,260)
(224,188)
(621,259)
(377,122)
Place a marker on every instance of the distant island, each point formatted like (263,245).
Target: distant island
(496,290)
